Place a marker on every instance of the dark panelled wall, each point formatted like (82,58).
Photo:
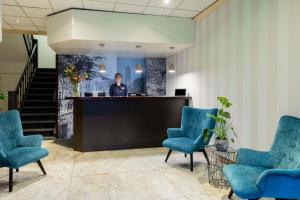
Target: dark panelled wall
(152,81)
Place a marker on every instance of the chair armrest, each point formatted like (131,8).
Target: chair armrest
(31,141)
(200,142)
(2,156)
(175,132)
(280,183)
(254,158)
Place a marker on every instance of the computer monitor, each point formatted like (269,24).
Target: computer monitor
(132,94)
(180,92)
(88,94)
(101,94)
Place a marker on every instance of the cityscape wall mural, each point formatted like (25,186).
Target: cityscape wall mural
(152,80)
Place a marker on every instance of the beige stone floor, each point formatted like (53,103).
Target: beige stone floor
(138,174)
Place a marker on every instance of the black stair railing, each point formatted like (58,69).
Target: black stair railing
(16,98)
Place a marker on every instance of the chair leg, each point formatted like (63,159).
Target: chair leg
(10,182)
(205,155)
(168,155)
(185,155)
(230,194)
(17,170)
(41,166)
(191,162)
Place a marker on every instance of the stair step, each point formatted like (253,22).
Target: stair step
(37,114)
(43,90)
(45,79)
(45,69)
(43,83)
(42,131)
(45,74)
(39,122)
(40,96)
(39,107)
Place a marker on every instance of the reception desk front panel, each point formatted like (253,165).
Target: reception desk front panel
(110,123)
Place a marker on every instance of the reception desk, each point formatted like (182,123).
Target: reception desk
(110,123)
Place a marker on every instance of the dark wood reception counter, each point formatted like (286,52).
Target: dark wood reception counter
(110,123)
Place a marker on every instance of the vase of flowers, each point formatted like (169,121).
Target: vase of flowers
(75,76)
(223,126)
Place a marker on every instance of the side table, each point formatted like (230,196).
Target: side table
(215,169)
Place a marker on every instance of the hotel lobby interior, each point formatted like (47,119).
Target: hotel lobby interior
(149,99)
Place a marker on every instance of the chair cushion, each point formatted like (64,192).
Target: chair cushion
(21,156)
(182,144)
(243,180)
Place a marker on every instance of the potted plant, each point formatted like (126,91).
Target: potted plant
(2,96)
(75,76)
(223,126)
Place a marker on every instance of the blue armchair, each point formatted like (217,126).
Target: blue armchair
(271,174)
(190,138)
(17,150)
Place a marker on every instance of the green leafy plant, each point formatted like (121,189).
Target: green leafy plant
(2,96)
(223,126)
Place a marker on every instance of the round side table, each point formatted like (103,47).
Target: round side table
(215,169)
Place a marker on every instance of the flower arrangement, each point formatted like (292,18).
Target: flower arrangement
(75,76)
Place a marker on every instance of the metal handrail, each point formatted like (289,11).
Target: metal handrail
(27,74)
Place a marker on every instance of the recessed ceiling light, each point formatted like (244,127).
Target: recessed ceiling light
(17,20)
(167,1)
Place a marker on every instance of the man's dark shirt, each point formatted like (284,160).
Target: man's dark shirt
(118,91)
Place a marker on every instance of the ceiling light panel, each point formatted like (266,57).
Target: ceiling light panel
(161,3)
(34,3)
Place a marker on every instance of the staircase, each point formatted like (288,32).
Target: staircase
(39,109)
(36,95)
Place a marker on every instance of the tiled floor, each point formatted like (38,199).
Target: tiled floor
(138,174)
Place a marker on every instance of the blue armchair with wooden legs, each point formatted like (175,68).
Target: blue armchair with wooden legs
(270,174)
(190,138)
(17,150)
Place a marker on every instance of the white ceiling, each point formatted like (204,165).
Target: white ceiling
(30,15)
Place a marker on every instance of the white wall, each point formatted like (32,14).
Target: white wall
(46,56)
(247,50)
(0,21)
(13,57)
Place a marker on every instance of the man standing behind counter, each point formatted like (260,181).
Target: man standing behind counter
(118,89)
